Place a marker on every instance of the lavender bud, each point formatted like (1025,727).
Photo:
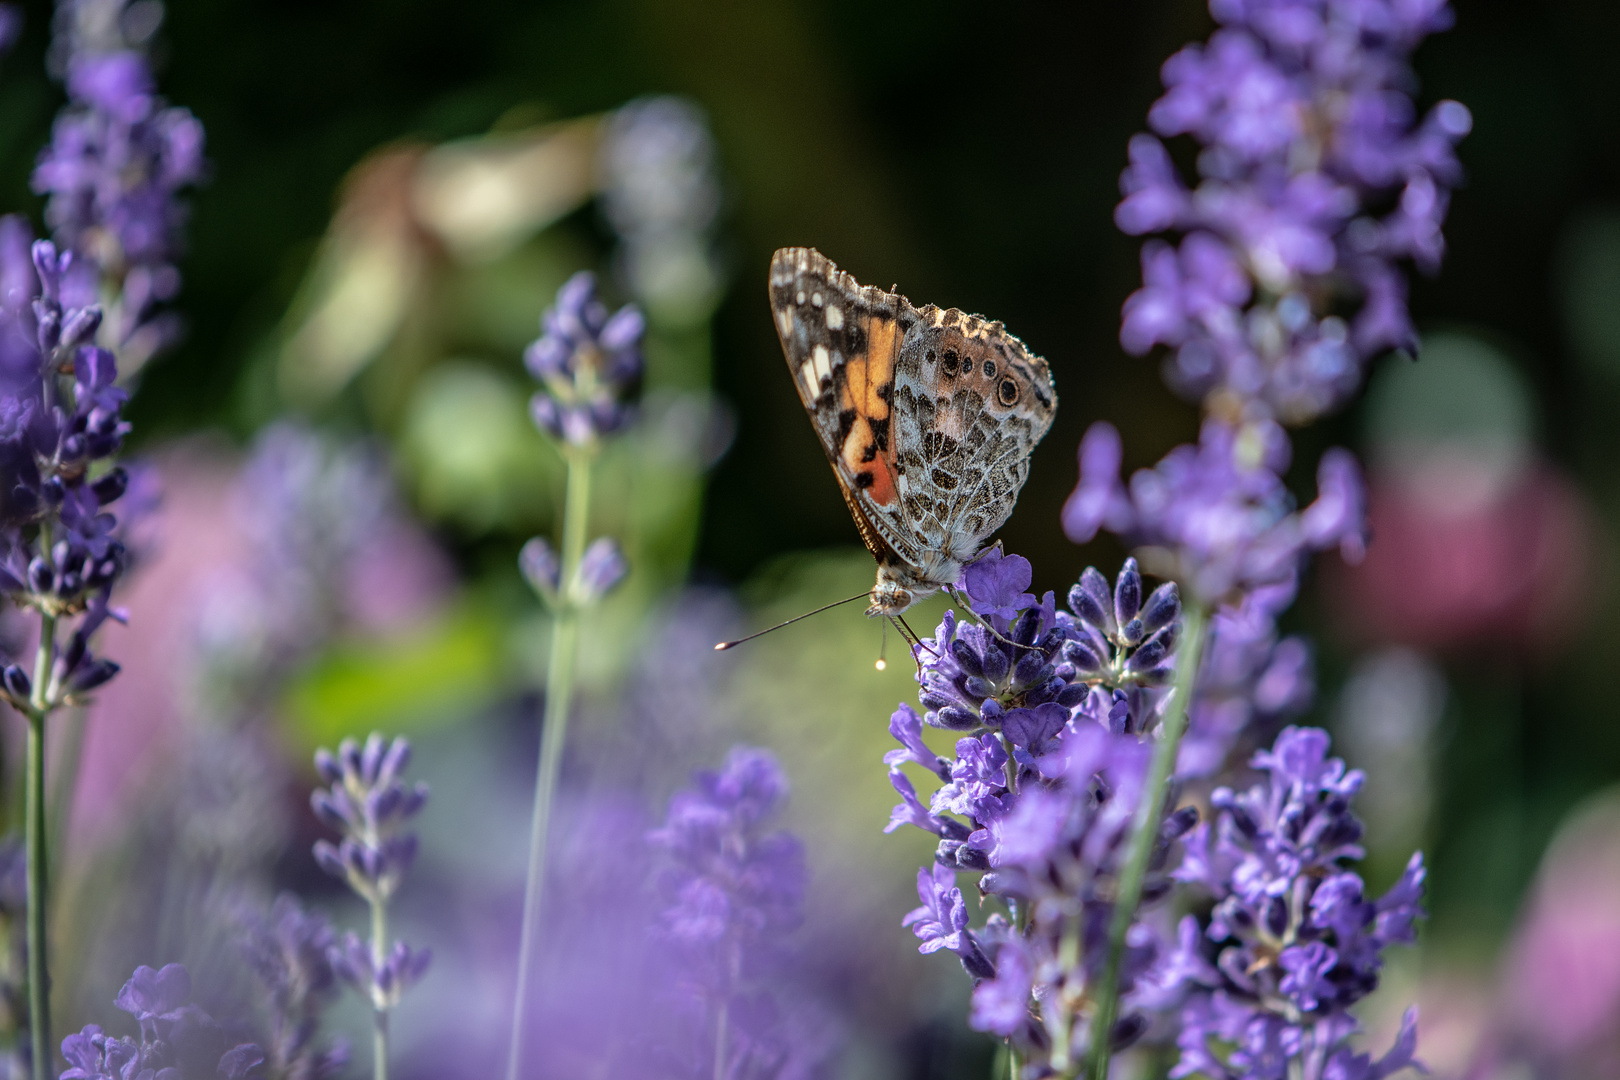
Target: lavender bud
(80,326)
(1162,609)
(91,675)
(110,488)
(1127,593)
(328,767)
(601,568)
(16,682)
(540,568)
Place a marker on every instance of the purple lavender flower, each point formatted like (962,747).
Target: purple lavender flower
(178,1040)
(117,161)
(661,193)
(730,892)
(1216,518)
(588,363)
(60,420)
(289,950)
(1296,941)
(370,804)
(1287,280)
(1041,795)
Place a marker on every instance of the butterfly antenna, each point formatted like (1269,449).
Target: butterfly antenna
(883,649)
(724,645)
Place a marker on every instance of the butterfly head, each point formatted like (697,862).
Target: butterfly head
(898,585)
(889,598)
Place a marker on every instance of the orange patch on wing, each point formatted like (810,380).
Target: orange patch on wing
(865,377)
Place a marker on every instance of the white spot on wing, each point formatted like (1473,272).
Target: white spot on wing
(815,299)
(807,375)
(835,318)
(823,363)
(784,321)
(799,299)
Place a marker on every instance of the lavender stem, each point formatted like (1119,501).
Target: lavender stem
(1149,814)
(39,992)
(553,733)
(379,1014)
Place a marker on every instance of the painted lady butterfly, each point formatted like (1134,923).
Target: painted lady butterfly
(927,416)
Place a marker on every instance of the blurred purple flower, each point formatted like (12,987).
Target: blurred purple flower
(1316,181)
(178,1040)
(288,950)
(112,173)
(1217,518)
(589,365)
(370,803)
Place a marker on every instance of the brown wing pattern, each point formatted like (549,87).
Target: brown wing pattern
(971,402)
(927,416)
(841,341)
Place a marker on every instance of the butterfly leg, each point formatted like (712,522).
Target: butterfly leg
(967,606)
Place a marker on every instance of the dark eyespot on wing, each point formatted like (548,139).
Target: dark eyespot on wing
(864,480)
(846,421)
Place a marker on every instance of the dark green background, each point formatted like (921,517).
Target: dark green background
(969,153)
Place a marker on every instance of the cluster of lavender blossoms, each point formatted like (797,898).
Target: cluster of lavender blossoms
(117,160)
(290,950)
(1316,182)
(60,423)
(588,363)
(1299,941)
(1063,794)
(1041,795)
(729,892)
(178,1040)
(369,803)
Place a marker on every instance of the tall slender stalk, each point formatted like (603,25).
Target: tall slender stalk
(1145,830)
(553,735)
(39,984)
(379,1014)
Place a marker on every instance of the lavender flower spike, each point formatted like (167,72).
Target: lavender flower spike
(588,363)
(1316,182)
(112,173)
(1297,940)
(1217,517)
(730,892)
(369,803)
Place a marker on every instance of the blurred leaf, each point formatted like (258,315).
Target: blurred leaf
(432,675)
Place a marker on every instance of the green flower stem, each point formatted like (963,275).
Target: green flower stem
(39,985)
(379,1012)
(1149,813)
(553,733)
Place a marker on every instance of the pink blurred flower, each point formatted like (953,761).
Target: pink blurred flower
(1467,555)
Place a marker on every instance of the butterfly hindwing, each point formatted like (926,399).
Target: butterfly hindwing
(927,416)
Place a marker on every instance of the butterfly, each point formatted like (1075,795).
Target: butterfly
(927,416)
